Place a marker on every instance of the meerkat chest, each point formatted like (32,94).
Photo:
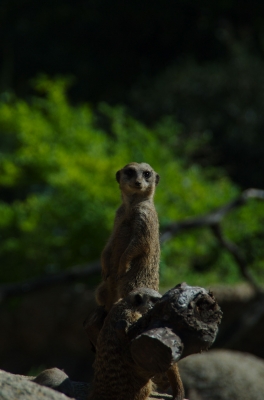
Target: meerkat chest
(122,235)
(131,225)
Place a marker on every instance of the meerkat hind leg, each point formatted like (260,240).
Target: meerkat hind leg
(175,382)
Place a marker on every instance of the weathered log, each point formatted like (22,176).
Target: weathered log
(183,322)
(155,350)
(131,349)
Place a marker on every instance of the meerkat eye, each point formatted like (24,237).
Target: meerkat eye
(129,172)
(147,174)
(138,299)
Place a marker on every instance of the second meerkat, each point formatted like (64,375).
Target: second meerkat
(130,259)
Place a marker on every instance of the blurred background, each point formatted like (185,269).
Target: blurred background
(85,88)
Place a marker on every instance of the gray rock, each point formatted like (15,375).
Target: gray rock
(223,375)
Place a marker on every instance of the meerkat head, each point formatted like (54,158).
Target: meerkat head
(142,299)
(139,179)
(139,302)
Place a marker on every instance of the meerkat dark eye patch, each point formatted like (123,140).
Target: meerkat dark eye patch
(129,172)
(147,174)
(138,299)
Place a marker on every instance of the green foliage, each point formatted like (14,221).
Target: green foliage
(59,194)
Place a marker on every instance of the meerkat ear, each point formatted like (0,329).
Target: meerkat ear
(157,179)
(118,176)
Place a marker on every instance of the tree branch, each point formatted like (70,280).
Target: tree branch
(31,285)
(211,220)
(234,250)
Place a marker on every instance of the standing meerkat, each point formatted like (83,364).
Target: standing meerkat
(130,259)
(131,256)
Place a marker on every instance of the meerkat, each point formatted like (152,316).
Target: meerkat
(115,374)
(131,256)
